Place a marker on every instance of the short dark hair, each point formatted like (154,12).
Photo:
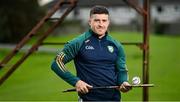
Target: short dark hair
(98,9)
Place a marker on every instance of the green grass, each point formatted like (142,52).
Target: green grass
(34,80)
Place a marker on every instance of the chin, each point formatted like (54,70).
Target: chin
(99,33)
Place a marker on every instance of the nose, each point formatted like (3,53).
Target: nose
(100,23)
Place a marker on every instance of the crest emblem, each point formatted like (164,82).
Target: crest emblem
(110,49)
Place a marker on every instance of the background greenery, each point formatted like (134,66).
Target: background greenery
(35,81)
(17,17)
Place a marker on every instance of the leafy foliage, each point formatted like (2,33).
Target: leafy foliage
(17,18)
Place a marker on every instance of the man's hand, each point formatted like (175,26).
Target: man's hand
(82,87)
(125,87)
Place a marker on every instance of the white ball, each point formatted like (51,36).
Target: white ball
(136,80)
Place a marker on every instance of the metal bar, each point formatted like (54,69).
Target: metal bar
(52,19)
(138,44)
(62,43)
(136,7)
(30,34)
(146,50)
(35,46)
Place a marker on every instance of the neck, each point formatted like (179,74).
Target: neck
(100,36)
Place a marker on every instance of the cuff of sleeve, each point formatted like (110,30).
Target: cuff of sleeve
(72,81)
(122,77)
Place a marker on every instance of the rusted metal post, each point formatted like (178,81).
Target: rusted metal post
(145,12)
(146,50)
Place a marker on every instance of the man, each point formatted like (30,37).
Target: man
(98,58)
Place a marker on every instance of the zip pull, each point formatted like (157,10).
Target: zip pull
(100,44)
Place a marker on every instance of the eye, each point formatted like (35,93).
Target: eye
(104,20)
(96,20)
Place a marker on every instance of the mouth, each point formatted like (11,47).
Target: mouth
(100,29)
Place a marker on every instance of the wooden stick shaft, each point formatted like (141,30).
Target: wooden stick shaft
(111,87)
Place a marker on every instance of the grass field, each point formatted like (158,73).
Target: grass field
(34,80)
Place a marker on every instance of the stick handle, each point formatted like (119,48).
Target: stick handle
(101,87)
(69,90)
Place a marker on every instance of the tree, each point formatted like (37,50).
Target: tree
(17,17)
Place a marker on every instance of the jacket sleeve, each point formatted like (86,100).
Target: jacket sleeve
(121,66)
(64,56)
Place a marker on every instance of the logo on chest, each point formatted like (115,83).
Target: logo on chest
(110,49)
(88,47)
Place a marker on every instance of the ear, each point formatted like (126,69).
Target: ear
(89,21)
(109,22)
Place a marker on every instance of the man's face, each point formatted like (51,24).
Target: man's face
(99,23)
